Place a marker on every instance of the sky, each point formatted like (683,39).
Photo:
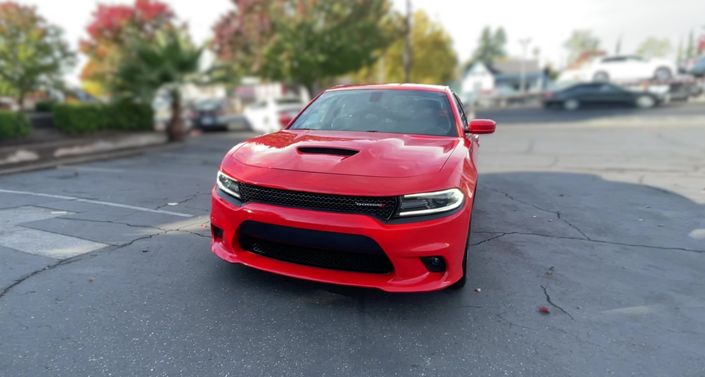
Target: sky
(547,23)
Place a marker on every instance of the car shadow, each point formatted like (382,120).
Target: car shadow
(517,212)
(590,271)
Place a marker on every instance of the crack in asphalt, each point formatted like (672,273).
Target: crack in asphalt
(584,235)
(615,243)
(575,227)
(548,299)
(556,213)
(66,261)
(489,239)
(678,143)
(19,281)
(62,262)
(188,198)
(162,230)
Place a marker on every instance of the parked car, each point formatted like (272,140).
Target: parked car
(273,114)
(211,114)
(605,94)
(698,69)
(630,67)
(370,186)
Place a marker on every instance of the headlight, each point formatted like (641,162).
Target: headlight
(430,202)
(228,184)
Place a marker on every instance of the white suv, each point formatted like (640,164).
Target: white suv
(630,67)
(272,114)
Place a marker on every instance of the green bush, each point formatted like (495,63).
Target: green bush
(44,106)
(131,116)
(85,118)
(79,119)
(13,125)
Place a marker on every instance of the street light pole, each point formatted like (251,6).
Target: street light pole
(522,78)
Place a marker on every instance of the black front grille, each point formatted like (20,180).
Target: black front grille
(382,207)
(330,250)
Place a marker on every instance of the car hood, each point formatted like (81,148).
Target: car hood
(348,153)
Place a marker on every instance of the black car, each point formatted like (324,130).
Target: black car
(598,94)
(210,114)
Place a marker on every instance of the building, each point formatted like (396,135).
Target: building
(503,78)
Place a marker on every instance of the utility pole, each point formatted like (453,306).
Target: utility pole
(407,47)
(522,79)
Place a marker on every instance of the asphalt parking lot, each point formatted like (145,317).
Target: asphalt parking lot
(105,267)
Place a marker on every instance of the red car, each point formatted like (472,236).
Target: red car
(369,186)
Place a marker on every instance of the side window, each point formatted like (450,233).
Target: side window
(609,88)
(614,59)
(462,111)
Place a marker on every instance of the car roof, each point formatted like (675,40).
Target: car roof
(406,86)
(588,85)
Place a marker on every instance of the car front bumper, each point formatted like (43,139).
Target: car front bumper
(404,243)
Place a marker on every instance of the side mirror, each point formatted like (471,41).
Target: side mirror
(481,126)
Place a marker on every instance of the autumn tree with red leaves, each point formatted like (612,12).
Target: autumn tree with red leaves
(136,51)
(108,37)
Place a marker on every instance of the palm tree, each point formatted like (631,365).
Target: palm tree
(166,63)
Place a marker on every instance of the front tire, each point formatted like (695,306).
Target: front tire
(463,279)
(663,74)
(645,102)
(571,104)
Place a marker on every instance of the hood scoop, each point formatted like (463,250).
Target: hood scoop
(344,152)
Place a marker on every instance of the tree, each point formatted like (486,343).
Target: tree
(433,55)
(654,48)
(166,61)
(302,41)
(33,53)
(581,45)
(240,36)
(491,46)
(690,50)
(108,34)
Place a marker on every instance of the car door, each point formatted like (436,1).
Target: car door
(636,68)
(614,67)
(588,94)
(602,94)
(614,95)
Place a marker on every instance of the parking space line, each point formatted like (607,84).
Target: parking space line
(98,202)
(123,171)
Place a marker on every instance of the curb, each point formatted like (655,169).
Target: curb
(34,157)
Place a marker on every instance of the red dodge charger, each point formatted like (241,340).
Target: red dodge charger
(369,186)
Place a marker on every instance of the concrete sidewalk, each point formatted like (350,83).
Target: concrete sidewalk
(43,154)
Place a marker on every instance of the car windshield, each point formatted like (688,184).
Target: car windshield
(288,101)
(208,104)
(393,111)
